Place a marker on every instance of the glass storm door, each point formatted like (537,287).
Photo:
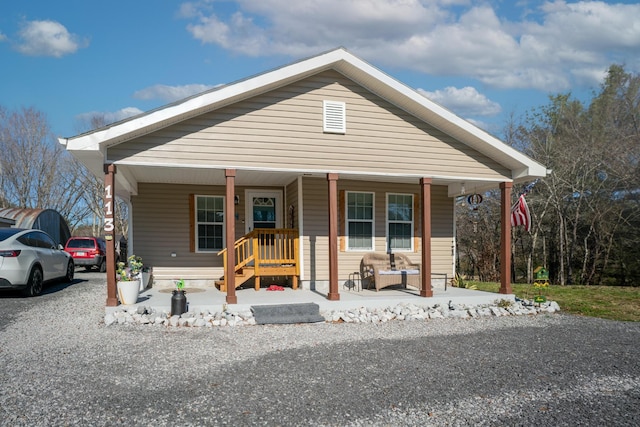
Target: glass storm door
(264,209)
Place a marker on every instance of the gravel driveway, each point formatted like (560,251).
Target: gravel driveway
(61,366)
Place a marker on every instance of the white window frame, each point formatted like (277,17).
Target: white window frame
(411,223)
(198,223)
(347,221)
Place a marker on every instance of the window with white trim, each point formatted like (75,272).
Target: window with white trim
(400,219)
(360,221)
(209,223)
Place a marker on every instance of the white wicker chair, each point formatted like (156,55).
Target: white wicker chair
(382,270)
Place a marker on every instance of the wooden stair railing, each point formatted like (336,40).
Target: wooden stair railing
(266,251)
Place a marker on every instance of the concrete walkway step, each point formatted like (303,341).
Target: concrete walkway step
(287,313)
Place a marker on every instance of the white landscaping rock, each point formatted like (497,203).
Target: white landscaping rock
(496,311)
(484,311)
(435,315)
(461,314)
(109,319)
(405,311)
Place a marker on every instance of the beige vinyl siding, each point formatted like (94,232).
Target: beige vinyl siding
(316,250)
(161,224)
(283,130)
(315,229)
(442,231)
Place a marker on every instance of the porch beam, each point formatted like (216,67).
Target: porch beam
(505,237)
(109,232)
(425,218)
(230,236)
(333,294)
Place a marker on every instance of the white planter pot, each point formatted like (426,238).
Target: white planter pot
(128,291)
(144,280)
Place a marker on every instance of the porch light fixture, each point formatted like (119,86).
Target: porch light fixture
(236,200)
(462,190)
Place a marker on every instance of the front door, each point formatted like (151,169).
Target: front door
(263,209)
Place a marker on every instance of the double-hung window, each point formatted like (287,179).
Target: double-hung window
(360,221)
(400,217)
(209,223)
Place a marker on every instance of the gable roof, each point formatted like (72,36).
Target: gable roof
(91,146)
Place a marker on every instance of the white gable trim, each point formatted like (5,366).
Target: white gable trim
(343,62)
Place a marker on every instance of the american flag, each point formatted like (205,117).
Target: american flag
(520,214)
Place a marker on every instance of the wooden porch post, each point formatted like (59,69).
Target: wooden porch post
(425,216)
(109,232)
(505,237)
(230,230)
(332,179)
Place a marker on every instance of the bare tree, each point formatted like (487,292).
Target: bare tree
(93,190)
(594,151)
(36,171)
(586,214)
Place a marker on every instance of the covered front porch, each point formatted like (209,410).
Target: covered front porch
(213,300)
(282,249)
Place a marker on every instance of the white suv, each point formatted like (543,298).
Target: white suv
(29,258)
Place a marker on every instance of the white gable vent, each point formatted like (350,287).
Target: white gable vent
(334,117)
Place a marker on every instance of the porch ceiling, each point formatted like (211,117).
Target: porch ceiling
(130,175)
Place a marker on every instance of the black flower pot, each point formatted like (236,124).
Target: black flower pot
(178,303)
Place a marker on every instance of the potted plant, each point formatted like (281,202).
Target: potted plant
(145,276)
(128,278)
(178,299)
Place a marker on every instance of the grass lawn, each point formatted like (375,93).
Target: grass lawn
(607,302)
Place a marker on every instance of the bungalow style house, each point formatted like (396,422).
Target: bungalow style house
(298,172)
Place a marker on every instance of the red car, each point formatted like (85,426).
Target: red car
(88,252)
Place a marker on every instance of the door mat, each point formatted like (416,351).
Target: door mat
(287,313)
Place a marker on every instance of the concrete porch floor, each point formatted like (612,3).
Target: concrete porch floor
(213,300)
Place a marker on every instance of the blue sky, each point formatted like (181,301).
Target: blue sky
(484,60)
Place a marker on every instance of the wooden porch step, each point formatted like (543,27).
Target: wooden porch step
(242,277)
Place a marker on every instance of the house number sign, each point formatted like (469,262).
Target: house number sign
(108,209)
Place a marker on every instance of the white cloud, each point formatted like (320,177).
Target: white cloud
(170,93)
(2,37)
(188,10)
(306,27)
(586,75)
(550,48)
(465,102)
(109,117)
(47,38)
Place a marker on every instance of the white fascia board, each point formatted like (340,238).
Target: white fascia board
(534,171)
(94,161)
(127,181)
(492,143)
(172,113)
